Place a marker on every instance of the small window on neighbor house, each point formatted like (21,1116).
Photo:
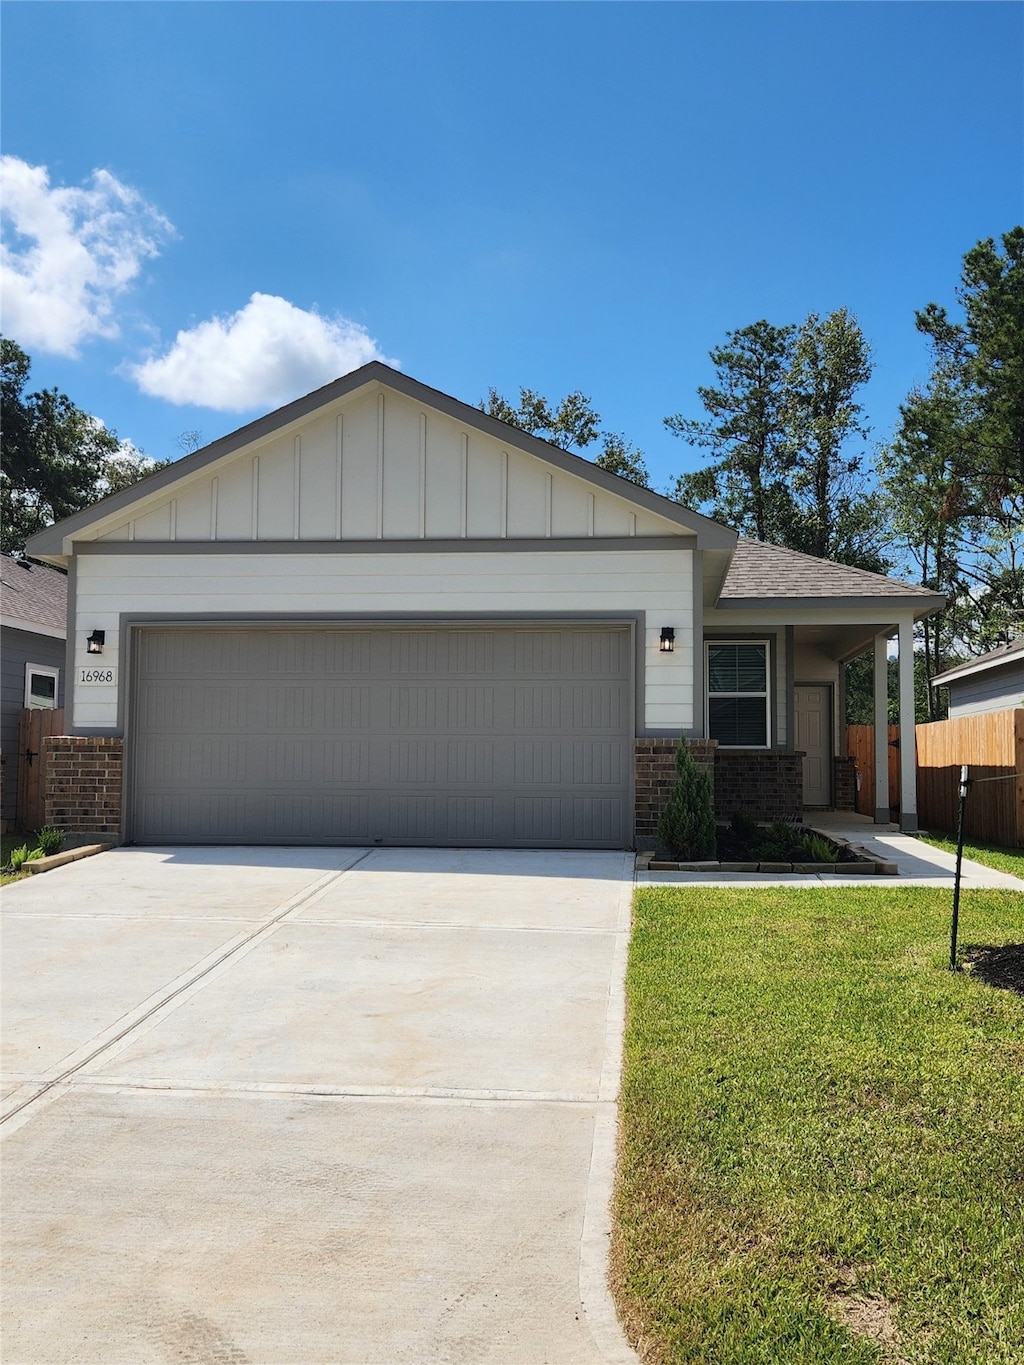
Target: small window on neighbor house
(41,686)
(738,694)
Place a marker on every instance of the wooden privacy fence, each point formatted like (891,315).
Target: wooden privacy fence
(34,725)
(992,746)
(860,746)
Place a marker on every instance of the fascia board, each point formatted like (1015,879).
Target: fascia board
(881,606)
(971,667)
(56,541)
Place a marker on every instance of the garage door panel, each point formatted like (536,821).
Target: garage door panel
(330,734)
(469,761)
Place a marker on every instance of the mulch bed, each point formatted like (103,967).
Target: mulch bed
(1002,966)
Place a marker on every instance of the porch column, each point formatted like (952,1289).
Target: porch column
(908,734)
(881,729)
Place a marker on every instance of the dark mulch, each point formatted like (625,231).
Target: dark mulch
(732,848)
(1001,966)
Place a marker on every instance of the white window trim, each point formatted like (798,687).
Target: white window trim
(767,694)
(46,671)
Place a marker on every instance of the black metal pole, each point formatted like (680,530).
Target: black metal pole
(964,784)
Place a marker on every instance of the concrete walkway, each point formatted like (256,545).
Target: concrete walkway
(919,863)
(284,1107)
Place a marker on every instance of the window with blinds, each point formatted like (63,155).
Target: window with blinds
(738,693)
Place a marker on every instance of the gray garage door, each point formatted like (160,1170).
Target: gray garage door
(491,736)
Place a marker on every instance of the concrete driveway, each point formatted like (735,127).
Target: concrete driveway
(290,1106)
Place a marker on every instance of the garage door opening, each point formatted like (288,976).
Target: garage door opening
(503,736)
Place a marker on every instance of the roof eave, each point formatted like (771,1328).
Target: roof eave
(920,605)
(969,669)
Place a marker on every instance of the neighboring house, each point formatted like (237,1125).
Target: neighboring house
(991,682)
(33,612)
(379,615)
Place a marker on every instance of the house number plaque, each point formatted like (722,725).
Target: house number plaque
(97,675)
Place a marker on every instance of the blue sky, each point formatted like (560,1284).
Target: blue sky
(213,207)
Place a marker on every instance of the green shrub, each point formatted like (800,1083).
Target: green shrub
(743,826)
(35,855)
(777,842)
(687,824)
(815,849)
(19,856)
(50,841)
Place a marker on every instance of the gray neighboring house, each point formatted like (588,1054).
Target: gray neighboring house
(33,631)
(992,682)
(379,615)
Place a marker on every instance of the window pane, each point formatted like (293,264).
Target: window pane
(42,691)
(737,668)
(738,721)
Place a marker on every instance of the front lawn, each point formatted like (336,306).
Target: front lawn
(822,1152)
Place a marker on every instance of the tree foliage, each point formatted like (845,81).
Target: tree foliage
(572,425)
(954,473)
(786,436)
(687,824)
(745,483)
(56,459)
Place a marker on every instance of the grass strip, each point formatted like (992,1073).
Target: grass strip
(822,1149)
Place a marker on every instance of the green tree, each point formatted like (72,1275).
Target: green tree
(55,459)
(954,473)
(572,425)
(781,422)
(836,515)
(745,484)
(687,824)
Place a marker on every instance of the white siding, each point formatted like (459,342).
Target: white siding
(379,466)
(658,582)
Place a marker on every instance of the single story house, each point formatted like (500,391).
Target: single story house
(33,627)
(378,615)
(991,682)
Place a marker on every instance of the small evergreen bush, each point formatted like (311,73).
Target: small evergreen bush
(687,824)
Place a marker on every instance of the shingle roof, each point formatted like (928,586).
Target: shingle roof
(760,571)
(1011,653)
(33,594)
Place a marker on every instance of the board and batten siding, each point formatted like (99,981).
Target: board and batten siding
(375,585)
(380,466)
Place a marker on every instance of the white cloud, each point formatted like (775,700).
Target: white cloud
(74,250)
(266,354)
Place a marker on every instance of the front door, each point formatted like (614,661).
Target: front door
(812,707)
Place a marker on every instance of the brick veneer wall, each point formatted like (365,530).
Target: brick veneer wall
(656,776)
(83,783)
(846,783)
(767,784)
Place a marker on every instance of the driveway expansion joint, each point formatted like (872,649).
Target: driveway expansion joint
(18,1102)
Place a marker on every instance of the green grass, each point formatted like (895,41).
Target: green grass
(820,1123)
(992,855)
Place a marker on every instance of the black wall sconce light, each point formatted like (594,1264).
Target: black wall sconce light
(668,640)
(95,642)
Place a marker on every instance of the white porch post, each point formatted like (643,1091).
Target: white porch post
(881,729)
(908,734)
